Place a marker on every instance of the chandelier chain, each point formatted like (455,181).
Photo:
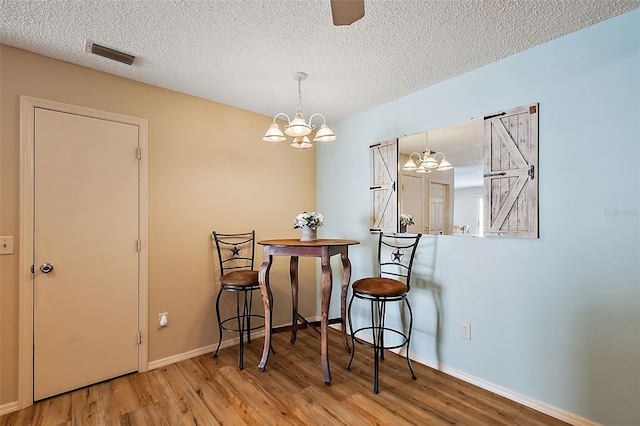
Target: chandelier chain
(299,96)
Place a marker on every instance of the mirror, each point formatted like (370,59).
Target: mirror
(447,202)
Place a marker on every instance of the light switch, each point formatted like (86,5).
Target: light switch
(6,245)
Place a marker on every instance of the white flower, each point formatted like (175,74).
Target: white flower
(406,219)
(310,219)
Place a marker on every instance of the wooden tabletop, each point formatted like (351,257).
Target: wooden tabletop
(319,243)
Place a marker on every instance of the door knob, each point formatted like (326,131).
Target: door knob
(46,268)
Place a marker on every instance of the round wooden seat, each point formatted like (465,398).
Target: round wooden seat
(379,286)
(242,278)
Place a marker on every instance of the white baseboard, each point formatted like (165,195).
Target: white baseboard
(9,408)
(207,349)
(542,407)
(200,351)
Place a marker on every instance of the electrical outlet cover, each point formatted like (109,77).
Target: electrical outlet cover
(466,331)
(163,319)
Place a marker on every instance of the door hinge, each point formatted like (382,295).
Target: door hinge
(532,172)
(139,337)
(139,153)
(533,109)
(33,269)
(139,245)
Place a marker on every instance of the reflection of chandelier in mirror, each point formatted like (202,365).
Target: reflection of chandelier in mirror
(427,162)
(298,128)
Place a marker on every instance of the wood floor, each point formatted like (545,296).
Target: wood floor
(208,391)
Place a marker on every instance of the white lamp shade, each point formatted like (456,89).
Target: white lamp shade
(274,134)
(325,134)
(301,142)
(430,162)
(297,127)
(444,165)
(409,165)
(423,169)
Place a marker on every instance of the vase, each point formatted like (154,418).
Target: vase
(309,234)
(403,228)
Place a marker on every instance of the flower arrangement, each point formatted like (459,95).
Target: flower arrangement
(406,219)
(311,219)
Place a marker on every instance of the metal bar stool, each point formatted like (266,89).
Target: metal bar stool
(395,260)
(236,254)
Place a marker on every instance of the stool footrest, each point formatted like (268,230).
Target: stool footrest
(404,338)
(241,317)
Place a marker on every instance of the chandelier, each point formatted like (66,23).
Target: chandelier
(427,162)
(298,128)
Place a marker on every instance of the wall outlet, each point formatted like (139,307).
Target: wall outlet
(163,320)
(465,331)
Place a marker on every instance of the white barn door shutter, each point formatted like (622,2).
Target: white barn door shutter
(383,161)
(511,173)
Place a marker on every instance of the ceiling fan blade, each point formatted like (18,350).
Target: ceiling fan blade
(346,12)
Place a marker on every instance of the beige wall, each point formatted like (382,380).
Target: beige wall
(203,175)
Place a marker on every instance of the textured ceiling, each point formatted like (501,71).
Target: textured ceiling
(242,53)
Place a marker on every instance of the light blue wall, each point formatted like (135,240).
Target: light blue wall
(555,319)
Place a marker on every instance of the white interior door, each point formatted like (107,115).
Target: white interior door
(412,201)
(437,207)
(86,227)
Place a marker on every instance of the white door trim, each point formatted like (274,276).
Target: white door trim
(26,252)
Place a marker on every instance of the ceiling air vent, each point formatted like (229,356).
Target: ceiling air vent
(109,53)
